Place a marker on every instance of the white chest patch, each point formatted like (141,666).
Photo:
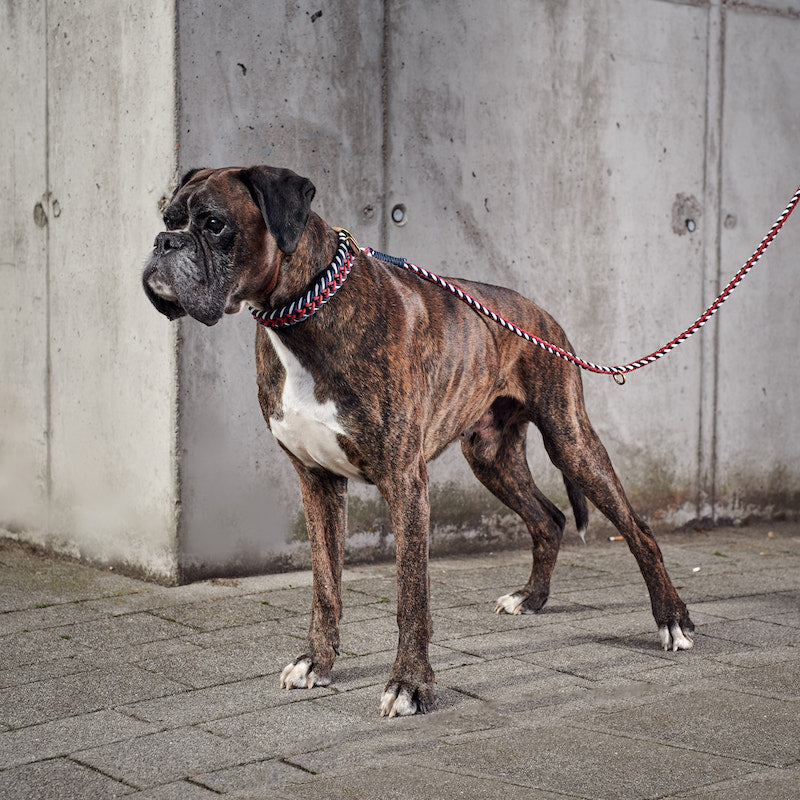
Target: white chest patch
(308,428)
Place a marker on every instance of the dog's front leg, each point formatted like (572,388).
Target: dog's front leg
(410,688)
(325,504)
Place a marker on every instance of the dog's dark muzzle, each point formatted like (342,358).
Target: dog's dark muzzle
(159,292)
(176,282)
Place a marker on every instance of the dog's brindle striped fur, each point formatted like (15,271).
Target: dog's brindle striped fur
(409,369)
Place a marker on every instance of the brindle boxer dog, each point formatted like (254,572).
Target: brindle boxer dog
(375,385)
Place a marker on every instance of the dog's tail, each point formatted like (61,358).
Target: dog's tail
(579,507)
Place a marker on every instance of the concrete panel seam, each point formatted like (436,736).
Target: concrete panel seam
(710,281)
(175,458)
(385,138)
(48,388)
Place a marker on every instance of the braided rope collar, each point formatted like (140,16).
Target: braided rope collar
(317,295)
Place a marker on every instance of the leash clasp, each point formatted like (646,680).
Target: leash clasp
(351,240)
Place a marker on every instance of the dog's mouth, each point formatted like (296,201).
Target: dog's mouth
(176,297)
(160,293)
(159,287)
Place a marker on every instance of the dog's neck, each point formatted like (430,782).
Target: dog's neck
(297,271)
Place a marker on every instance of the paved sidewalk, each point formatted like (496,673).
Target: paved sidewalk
(114,687)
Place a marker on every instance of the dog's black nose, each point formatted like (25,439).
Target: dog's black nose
(171,240)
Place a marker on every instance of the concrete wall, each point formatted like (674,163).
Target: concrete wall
(87,399)
(756,412)
(555,146)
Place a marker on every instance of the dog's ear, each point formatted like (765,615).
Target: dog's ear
(185,179)
(284,199)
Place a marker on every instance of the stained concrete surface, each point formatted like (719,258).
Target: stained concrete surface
(110,686)
(542,146)
(613,160)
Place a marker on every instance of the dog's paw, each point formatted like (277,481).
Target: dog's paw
(401,700)
(300,675)
(510,603)
(520,602)
(675,637)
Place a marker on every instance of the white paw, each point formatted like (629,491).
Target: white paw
(510,603)
(674,638)
(301,676)
(398,704)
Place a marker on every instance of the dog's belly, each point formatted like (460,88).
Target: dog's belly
(308,429)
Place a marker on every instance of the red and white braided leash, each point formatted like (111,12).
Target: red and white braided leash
(621,370)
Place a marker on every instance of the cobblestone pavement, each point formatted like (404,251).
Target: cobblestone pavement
(113,687)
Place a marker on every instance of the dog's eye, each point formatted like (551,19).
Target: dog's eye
(214,225)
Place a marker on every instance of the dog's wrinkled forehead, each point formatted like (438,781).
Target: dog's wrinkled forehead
(211,191)
(281,197)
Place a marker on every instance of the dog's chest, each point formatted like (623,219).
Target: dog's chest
(307,428)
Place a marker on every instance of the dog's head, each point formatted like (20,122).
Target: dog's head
(226,232)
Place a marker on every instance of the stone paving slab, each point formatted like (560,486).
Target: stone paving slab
(164,757)
(109,633)
(43,617)
(53,582)
(32,647)
(594,661)
(60,778)
(203,706)
(81,693)
(65,736)
(767,784)
(735,729)
(179,790)
(111,687)
(45,670)
(259,775)
(397,782)
(212,666)
(600,765)
(285,729)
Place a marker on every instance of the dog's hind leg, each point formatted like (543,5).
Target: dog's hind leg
(494,447)
(576,450)
(325,503)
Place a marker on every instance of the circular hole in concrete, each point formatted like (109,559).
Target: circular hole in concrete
(399,215)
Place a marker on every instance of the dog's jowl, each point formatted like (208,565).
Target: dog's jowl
(374,381)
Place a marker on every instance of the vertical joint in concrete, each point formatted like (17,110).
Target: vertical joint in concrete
(48,376)
(712,202)
(385,134)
